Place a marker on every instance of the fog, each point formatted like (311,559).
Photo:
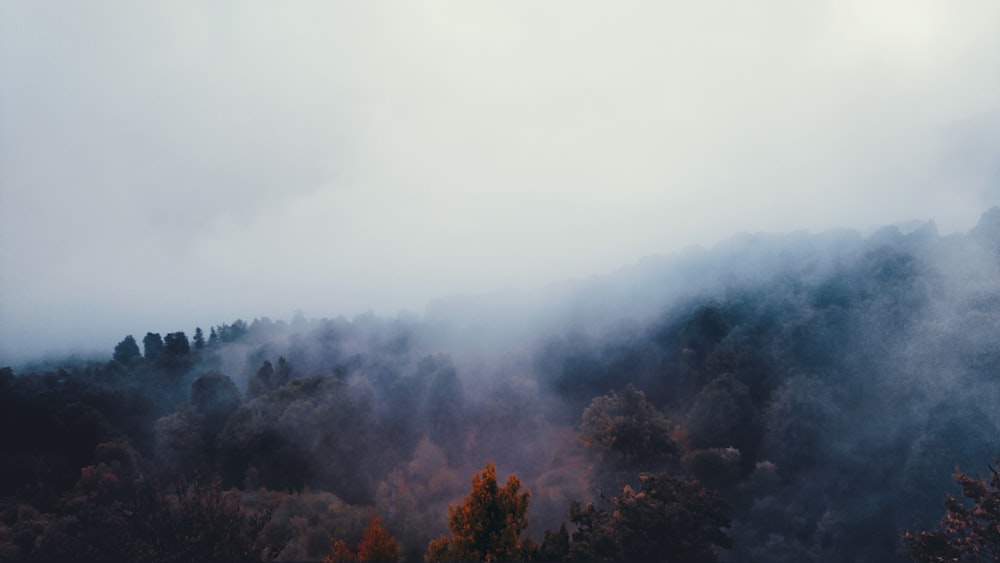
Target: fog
(174,165)
(823,387)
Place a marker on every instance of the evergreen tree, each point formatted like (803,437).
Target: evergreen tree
(668,520)
(282,373)
(199,339)
(152,345)
(176,344)
(262,381)
(624,434)
(126,349)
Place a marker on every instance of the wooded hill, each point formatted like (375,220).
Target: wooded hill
(799,397)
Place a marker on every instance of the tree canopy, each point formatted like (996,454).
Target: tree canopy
(152,345)
(487,526)
(126,349)
(376,546)
(625,434)
(669,519)
(969,533)
(176,344)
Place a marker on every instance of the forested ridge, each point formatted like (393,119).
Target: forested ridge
(799,397)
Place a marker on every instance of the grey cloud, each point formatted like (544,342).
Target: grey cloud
(382,155)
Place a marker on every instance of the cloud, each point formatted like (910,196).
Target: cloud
(380,155)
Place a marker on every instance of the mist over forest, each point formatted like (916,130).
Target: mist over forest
(804,397)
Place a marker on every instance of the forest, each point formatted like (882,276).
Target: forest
(793,397)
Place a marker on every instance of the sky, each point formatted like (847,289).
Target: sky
(179,164)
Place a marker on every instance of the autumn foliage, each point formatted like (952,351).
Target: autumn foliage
(376,545)
(970,533)
(824,391)
(487,526)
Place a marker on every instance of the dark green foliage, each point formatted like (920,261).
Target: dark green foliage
(116,514)
(126,350)
(443,404)
(723,416)
(824,384)
(798,419)
(216,397)
(182,445)
(199,339)
(669,519)
(214,392)
(554,546)
(231,332)
(268,377)
(285,434)
(624,435)
(176,344)
(152,345)
(623,430)
(262,381)
(198,522)
(50,426)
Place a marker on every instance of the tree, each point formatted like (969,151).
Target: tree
(340,552)
(269,377)
(199,338)
(282,373)
(126,349)
(443,404)
(723,415)
(180,450)
(152,345)
(261,382)
(198,522)
(376,546)
(625,434)
(376,543)
(487,526)
(669,519)
(555,545)
(233,332)
(176,344)
(215,396)
(970,533)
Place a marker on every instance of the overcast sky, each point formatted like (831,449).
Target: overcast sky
(167,165)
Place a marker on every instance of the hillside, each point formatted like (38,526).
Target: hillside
(824,385)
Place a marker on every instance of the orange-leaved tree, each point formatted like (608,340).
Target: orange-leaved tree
(487,526)
(376,545)
(970,533)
